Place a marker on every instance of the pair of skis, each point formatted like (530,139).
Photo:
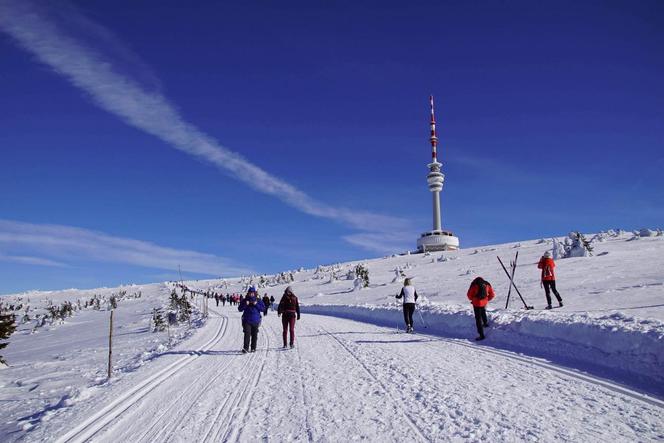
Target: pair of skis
(512,284)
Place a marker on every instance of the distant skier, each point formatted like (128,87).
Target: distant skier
(266,302)
(546,264)
(223,299)
(216,299)
(290,308)
(409,295)
(272,302)
(251,307)
(479,294)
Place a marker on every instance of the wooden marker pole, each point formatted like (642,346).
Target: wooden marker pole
(110,344)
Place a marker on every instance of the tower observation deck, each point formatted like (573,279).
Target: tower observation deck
(437,239)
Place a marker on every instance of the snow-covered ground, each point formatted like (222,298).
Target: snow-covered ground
(589,371)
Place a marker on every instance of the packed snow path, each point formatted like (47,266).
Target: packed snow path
(349,381)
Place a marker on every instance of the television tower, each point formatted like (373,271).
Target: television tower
(435,178)
(436,239)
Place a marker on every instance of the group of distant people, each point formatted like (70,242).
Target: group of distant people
(480,293)
(254,308)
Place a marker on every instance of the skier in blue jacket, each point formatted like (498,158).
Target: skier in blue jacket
(251,307)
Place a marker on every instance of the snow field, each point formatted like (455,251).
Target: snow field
(348,381)
(612,346)
(62,364)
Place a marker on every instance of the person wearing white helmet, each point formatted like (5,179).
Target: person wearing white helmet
(548,278)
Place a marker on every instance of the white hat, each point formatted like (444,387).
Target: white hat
(547,254)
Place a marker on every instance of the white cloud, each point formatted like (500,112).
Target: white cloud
(68,244)
(151,112)
(26,260)
(382,243)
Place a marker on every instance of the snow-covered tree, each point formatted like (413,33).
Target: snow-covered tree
(576,245)
(7,328)
(158,323)
(184,309)
(174,300)
(645,232)
(362,273)
(398,275)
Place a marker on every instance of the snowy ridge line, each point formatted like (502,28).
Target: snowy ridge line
(607,346)
(239,406)
(416,429)
(98,421)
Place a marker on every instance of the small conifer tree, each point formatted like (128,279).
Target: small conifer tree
(184,308)
(7,328)
(362,272)
(157,320)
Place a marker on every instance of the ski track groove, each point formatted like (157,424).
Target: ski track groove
(241,399)
(237,430)
(101,419)
(305,402)
(533,361)
(191,396)
(411,423)
(230,399)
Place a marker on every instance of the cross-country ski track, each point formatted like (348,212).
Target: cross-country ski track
(347,380)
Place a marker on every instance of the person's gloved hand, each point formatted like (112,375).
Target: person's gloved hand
(298,316)
(279,314)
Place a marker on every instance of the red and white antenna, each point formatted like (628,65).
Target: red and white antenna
(434,138)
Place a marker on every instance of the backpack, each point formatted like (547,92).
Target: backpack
(481,290)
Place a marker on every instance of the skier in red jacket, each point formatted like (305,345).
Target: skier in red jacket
(546,264)
(480,293)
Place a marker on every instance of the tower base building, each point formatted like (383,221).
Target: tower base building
(437,241)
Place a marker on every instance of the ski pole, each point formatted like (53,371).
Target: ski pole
(513,264)
(513,284)
(422,318)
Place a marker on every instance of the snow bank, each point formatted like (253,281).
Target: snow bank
(617,346)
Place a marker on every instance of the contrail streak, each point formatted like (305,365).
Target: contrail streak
(151,112)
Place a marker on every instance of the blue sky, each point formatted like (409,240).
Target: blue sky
(259,137)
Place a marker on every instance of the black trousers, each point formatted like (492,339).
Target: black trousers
(480,319)
(250,333)
(549,286)
(408,311)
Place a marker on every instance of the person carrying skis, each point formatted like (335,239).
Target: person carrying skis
(290,308)
(409,295)
(479,294)
(251,307)
(546,264)
(266,303)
